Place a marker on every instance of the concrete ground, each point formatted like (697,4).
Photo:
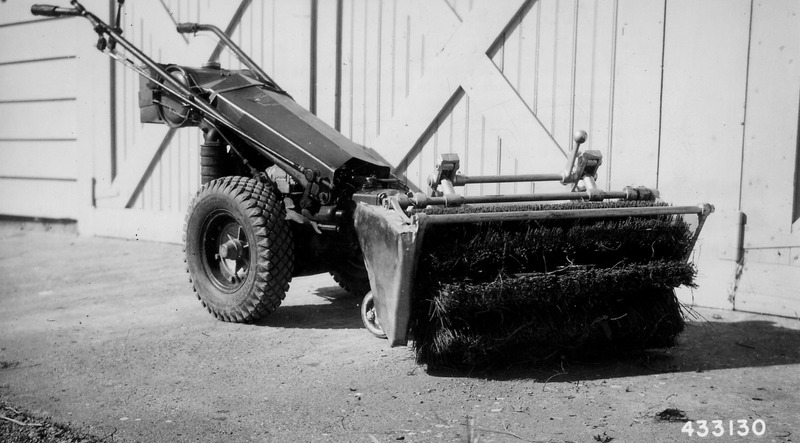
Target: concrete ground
(107,336)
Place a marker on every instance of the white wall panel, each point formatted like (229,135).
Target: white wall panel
(36,159)
(38,128)
(38,120)
(770,159)
(42,80)
(637,94)
(38,198)
(43,39)
(17,12)
(326,61)
(705,73)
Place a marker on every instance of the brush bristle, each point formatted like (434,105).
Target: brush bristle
(501,292)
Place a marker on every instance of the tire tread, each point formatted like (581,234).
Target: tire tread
(262,207)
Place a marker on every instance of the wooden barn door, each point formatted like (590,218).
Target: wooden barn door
(770,276)
(502,84)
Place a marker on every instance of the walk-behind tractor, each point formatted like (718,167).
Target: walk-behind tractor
(471,280)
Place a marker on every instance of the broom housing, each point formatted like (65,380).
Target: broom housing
(481,280)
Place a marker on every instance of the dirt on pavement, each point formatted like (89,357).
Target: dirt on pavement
(105,335)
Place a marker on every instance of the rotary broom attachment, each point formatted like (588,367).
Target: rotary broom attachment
(504,292)
(485,280)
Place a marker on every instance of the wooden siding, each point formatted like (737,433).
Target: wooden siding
(698,98)
(39,166)
(698,48)
(770,181)
(770,159)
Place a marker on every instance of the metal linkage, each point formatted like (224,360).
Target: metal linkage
(579,168)
(420,200)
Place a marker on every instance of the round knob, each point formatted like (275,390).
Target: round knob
(579,136)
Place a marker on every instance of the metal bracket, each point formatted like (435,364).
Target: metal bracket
(445,170)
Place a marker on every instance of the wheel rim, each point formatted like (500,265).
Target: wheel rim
(226,251)
(370,316)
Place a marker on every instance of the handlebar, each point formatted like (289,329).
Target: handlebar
(54,11)
(187,28)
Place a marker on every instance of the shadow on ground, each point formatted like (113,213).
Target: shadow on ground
(703,346)
(342,311)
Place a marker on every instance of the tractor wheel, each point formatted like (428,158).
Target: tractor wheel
(369,316)
(239,250)
(351,275)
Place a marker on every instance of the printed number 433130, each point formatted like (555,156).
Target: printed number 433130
(717,428)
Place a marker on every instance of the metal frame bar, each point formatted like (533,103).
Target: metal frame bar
(461,180)
(561,214)
(455,199)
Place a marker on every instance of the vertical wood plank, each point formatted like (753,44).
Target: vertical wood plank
(601,69)
(546,71)
(358,70)
(771,126)
(511,57)
(372,70)
(705,66)
(637,94)
(459,121)
(292,68)
(562,74)
(472,158)
(413,171)
(346,122)
(388,46)
(584,62)
(413,50)
(326,61)
(528,53)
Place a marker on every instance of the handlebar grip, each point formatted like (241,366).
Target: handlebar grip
(187,28)
(53,11)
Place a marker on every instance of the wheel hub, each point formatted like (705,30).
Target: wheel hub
(231,250)
(227,251)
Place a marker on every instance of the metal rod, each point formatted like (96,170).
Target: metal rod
(579,137)
(701,220)
(462,180)
(560,214)
(194,27)
(512,198)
